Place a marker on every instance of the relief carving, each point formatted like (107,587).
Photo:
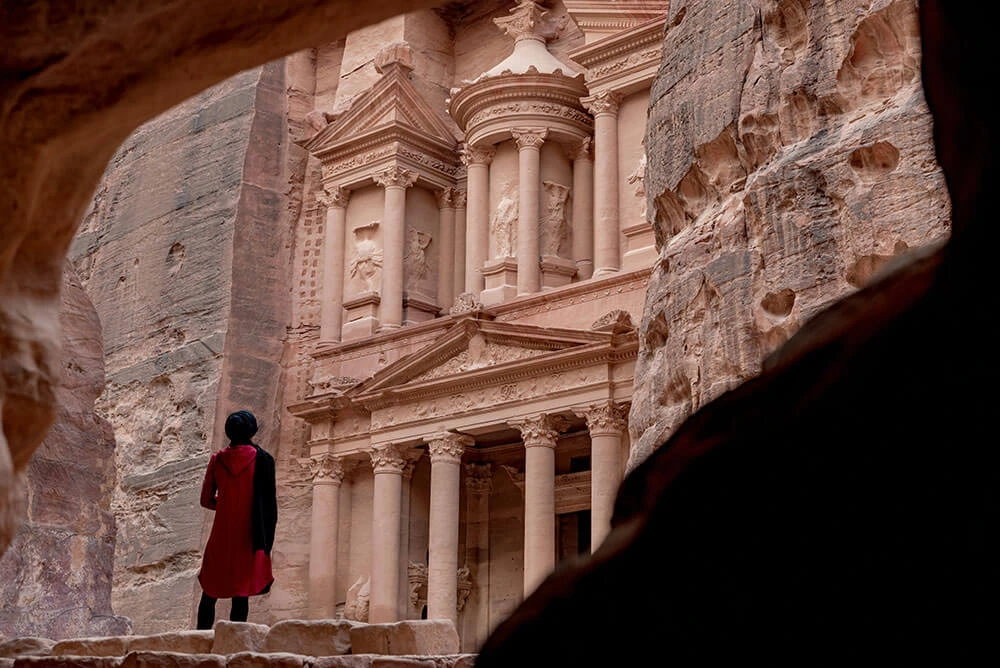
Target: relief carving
(387,459)
(529,137)
(395,176)
(477,155)
(479,477)
(603,103)
(415,260)
(366,263)
(334,197)
(464,586)
(416,578)
(358,600)
(466,303)
(503,225)
(555,225)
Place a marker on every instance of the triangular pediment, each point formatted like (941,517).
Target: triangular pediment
(392,102)
(476,346)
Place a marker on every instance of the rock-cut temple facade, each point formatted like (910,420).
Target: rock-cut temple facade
(479,270)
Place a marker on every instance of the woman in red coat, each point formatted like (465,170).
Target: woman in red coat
(239,486)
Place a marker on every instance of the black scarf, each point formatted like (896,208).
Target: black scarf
(264,508)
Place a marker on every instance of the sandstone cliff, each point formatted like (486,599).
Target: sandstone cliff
(790,157)
(57,571)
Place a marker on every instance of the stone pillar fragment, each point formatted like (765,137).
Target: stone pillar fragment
(604,107)
(539,434)
(446,248)
(583,209)
(529,143)
(388,465)
(327,477)
(442,568)
(608,424)
(395,181)
(458,261)
(478,486)
(477,237)
(335,200)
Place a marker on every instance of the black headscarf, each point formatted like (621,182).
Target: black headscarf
(240,427)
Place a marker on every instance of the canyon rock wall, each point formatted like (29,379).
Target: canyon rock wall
(184,253)
(57,571)
(790,158)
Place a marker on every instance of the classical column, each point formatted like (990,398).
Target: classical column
(583,209)
(388,464)
(442,561)
(411,456)
(446,247)
(604,107)
(539,435)
(327,476)
(477,237)
(608,423)
(395,181)
(478,486)
(458,261)
(332,305)
(529,143)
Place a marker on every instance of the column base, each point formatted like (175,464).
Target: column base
(604,272)
(584,269)
(418,308)
(556,271)
(501,281)
(362,317)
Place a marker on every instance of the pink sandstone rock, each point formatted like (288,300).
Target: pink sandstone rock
(269,660)
(422,637)
(68,662)
(172,660)
(234,637)
(313,638)
(25,647)
(109,646)
(187,642)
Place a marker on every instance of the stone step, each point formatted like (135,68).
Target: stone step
(329,643)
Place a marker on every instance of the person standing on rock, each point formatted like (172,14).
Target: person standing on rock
(240,487)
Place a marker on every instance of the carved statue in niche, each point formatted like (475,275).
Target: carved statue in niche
(464,586)
(555,225)
(358,598)
(366,265)
(638,177)
(503,226)
(415,259)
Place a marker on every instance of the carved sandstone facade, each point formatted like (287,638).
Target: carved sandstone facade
(503,257)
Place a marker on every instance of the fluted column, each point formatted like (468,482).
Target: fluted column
(608,423)
(395,181)
(327,475)
(442,567)
(388,464)
(529,144)
(583,209)
(539,435)
(477,237)
(331,317)
(458,262)
(604,107)
(446,247)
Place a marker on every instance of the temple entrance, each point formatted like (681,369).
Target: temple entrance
(572,535)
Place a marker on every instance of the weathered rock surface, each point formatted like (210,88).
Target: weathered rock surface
(790,157)
(57,573)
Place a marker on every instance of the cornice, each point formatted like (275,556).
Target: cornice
(625,61)
(622,282)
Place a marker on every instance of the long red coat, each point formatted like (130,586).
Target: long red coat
(231,566)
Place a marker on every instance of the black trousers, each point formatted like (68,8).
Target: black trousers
(206,610)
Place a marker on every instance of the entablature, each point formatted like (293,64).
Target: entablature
(625,62)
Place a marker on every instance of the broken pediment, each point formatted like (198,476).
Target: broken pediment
(476,346)
(393,102)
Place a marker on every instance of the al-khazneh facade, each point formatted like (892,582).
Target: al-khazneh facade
(484,259)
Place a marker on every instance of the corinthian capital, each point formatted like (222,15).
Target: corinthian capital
(529,137)
(529,20)
(388,459)
(395,176)
(446,198)
(541,430)
(479,477)
(334,197)
(603,103)
(326,468)
(583,151)
(478,155)
(460,199)
(608,418)
(447,447)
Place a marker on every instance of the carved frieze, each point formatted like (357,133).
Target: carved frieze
(549,109)
(490,354)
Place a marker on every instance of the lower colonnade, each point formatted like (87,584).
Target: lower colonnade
(454,457)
